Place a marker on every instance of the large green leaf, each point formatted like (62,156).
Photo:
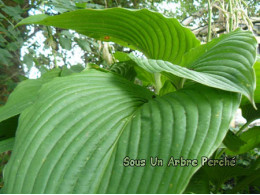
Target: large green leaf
(226,63)
(153,34)
(75,137)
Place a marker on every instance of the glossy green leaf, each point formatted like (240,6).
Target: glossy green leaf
(81,147)
(149,32)
(227,64)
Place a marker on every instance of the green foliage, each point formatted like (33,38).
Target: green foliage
(215,64)
(6,145)
(250,140)
(75,132)
(233,142)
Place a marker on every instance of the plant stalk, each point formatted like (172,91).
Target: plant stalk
(209,20)
(230,9)
(244,127)
(158,83)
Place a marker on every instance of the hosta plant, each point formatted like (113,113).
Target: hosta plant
(96,131)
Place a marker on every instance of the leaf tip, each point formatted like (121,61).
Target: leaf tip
(253,102)
(32,20)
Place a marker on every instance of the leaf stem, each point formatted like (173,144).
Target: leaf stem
(209,21)
(158,83)
(230,9)
(219,153)
(244,127)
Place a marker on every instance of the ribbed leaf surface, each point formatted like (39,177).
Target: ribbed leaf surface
(225,64)
(75,137)
(153,34)
(125,69)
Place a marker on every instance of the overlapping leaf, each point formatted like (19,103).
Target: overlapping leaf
(248,111)
(80,147)
(226,63)
(24,95)
(153,34)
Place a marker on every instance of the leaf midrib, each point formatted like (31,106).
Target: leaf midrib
(113,146)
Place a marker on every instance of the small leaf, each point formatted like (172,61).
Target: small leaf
(251,138)
(65,43)
(233,142)
(121,56)
(28,60)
